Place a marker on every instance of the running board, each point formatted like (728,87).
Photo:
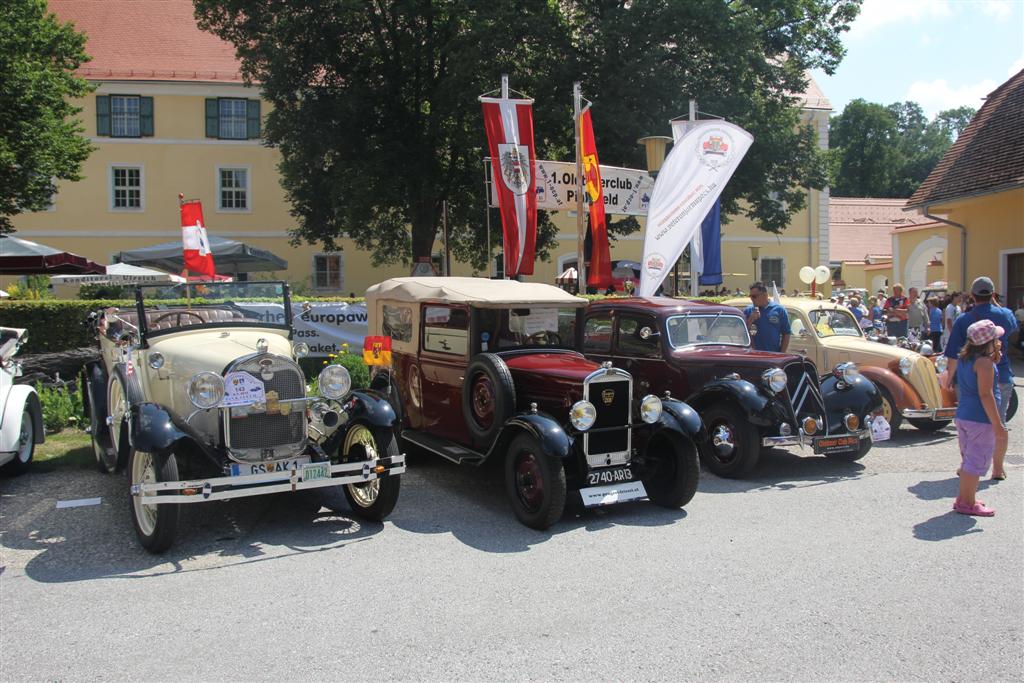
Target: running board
(460,455)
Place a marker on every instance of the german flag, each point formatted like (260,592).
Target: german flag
(377,350)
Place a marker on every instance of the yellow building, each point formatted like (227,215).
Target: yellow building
(170,114)
(976,196)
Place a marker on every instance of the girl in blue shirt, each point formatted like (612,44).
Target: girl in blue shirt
(934,323)
(979,426)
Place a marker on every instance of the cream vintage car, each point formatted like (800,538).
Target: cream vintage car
(828,334)
(204,400)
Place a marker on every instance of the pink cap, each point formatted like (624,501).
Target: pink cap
(984,331)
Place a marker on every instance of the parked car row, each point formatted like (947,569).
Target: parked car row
(199,396)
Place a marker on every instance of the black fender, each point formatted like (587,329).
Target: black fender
(759,409)
(680,415)
(553,439)
(155,429)
(368,407)
(860,397)
(94,388)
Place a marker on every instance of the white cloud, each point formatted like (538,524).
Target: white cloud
(938,95)
(875,14)
(999,9)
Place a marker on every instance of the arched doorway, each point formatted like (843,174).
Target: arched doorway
(915,271)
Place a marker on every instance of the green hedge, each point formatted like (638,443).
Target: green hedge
(59,325)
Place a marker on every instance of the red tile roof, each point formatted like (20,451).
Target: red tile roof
(860,227)
(148,40)
(988,156)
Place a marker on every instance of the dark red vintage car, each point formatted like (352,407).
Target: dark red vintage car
(748,399)
(489,368)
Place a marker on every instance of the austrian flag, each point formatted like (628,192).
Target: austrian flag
(198,257)
(509,125)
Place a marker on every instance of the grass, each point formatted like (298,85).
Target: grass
(71,448)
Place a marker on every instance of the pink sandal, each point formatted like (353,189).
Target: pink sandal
(978,509)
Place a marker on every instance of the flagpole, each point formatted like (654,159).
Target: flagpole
(184,268)
(504,247)
(487,216)
(581,270)
(694,276)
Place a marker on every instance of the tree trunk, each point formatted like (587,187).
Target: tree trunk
(424,230)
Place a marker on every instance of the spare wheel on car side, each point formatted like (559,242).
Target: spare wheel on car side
(488,396)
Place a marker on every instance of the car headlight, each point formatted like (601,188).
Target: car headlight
(206,390)
(847,372)
(334,381)
(941,363)
(300,349)
(774,380)
(650,408)
(926,349)
(582,415)
(906,364)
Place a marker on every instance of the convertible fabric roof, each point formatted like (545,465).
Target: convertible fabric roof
(477,291)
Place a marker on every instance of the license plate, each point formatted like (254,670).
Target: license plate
(836,444)
(612,475)
(240,468)
(613,493)
(316,470)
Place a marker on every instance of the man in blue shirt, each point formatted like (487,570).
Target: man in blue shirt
(767,321)
(984,309)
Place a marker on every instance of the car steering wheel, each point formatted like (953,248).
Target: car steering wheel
(165,316)
(544,338)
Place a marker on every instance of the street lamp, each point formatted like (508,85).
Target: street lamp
(654,146)
(753,256)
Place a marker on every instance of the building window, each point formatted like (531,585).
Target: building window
(124,116)
(233,189)
(327,271)
(231,118)
(772,271)
(126,187)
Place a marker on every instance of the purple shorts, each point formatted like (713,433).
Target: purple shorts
(977,443)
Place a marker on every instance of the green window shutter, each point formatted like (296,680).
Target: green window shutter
(212,118)
(252,118)
(146,116)
(102,115)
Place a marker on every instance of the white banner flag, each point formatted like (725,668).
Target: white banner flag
(691,179)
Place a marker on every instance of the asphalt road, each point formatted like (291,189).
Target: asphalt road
(810,570)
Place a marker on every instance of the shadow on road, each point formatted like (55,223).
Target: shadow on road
(942,488)
(82,543)
(470,504)
(781,470)
(945,527)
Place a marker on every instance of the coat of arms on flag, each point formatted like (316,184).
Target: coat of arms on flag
(377,350)
(197,254)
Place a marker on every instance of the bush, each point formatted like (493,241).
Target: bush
(62,407)
(359,370)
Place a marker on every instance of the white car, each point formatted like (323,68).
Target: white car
(21,416)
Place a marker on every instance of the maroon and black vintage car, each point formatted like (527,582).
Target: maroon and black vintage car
(748,399)
(489,368)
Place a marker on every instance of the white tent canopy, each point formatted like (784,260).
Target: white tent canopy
(119,274)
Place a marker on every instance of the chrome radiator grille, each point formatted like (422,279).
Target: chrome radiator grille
(611,392)
(804,392)
(271,434)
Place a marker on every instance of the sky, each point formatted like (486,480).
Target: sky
(939,53)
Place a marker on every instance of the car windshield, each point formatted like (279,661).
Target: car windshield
(517,328)
(698,330)
(834,323)
(172,307)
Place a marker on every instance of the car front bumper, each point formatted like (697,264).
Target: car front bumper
(802,439)
(224,488)
(929,413)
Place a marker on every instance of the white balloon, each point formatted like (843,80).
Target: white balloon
(822,274)
(806,275)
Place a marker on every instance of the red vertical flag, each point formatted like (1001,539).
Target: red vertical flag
(509,125)
(600,273)
(198,257)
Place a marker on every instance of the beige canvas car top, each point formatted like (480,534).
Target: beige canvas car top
(477,291)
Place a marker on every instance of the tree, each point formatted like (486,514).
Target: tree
(888,151)
(376,117)
(40,138)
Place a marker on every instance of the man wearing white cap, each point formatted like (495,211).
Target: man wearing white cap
(982,289)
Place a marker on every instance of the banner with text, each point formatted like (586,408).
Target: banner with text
(324,327)
(626,191)
(691,180)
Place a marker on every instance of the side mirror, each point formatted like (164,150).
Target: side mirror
(646,333)
(803,334)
